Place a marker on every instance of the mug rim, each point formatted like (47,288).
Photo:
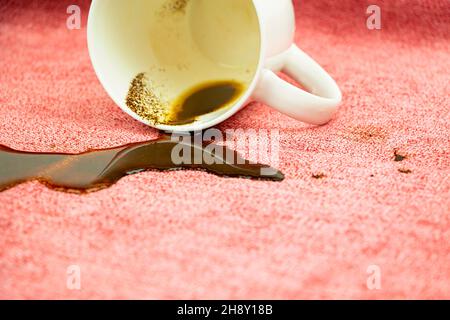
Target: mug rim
(198,125)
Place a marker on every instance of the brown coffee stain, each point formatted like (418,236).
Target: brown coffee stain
(398,157)
(98,169)
(366,134)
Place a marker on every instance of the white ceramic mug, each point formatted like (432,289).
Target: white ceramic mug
(181,43)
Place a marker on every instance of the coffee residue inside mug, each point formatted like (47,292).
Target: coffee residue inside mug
(200,100)
(176,6)
(204,99)
(143,100)
(99,169)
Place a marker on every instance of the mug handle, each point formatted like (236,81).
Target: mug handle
(316,107)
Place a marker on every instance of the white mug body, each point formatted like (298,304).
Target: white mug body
(276,52)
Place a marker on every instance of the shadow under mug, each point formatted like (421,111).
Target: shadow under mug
(182,43)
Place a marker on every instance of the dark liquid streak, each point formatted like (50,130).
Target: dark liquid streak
(99,169)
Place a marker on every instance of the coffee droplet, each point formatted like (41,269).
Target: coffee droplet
(99,169)
(200,100)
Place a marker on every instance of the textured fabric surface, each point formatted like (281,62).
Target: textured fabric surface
(194,235)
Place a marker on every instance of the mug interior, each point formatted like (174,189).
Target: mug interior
(178,45)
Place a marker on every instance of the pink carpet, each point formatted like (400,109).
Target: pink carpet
(195,235)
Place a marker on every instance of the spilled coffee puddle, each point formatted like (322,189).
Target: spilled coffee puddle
(98,169)
(205,98)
